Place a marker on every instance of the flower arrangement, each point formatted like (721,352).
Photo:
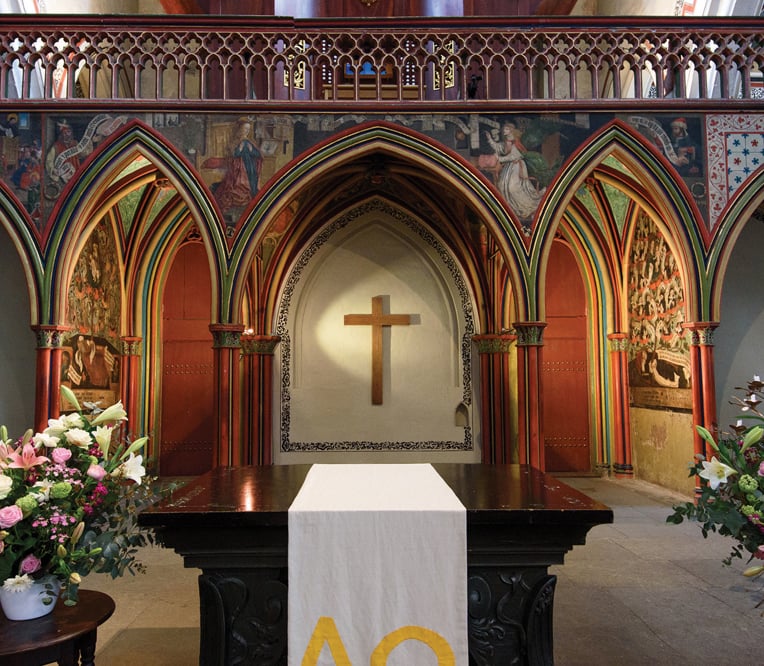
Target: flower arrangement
(730,500)
(69,499)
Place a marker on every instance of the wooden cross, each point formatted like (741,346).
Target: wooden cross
(377,320)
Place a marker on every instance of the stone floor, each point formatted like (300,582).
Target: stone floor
(639,592)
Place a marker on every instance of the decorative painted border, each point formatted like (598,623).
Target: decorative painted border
(282,330)
(735,149)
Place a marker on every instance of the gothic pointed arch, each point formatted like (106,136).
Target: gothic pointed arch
(650,183)
(381,154)
(739,212)
(18,224)
(84,202)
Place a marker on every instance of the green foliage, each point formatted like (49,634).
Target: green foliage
(729,500)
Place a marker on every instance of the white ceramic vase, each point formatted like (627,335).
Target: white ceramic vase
(38,600)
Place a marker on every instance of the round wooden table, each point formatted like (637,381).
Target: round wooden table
(67,635)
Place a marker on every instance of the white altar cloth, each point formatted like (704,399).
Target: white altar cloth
(380,553)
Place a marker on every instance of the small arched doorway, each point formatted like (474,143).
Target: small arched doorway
(565,368)
(187,386)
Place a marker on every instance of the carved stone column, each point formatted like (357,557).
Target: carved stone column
(47,373)
(703,380)
(619,362)
(226,344)
(529,392)
(257,388)
(129,378)
(495,414)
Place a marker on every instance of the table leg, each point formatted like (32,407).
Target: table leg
(87,647)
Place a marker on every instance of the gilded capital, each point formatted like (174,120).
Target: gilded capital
(529,333)
(259,344)
(494,343)
(226,335)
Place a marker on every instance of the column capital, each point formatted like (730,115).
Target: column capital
(618,342)
(529,333)
(226,335)
(49,336)
(702,331)
(494,343)
(259,344)
(131,345)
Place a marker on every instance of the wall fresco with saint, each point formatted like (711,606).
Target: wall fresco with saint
(90,365)
(236,155)
(659,349)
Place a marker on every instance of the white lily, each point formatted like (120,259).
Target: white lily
(716,472)
(102,435)
(132,468)
(115,412)
(70,397)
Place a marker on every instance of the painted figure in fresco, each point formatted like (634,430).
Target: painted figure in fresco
(519,189)
(684,148)
(63,158)
(242,177)
(92,363)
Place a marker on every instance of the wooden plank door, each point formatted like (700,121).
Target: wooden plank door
(565,373)
(187,427)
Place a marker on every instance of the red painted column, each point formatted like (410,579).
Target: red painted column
(703,379)
(129,380)
(226,347)
(529,389)
(495,415)
(47,374)
(622,465)
(257,383)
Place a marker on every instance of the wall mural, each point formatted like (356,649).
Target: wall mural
(659,349)
(90,353)
(236,155)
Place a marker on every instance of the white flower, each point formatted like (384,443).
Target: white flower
(73,420)
(6,483)
(56,428)
(18,583)
(102,435)
(115,412)
(79,437)
(45,439)
(42,494)
(132,468)
(716,472)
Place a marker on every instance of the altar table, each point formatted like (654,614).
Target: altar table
(232,524)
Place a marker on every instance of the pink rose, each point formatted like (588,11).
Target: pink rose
(29,564)
(96,472)
(761,469)
(60,455)
(9,516)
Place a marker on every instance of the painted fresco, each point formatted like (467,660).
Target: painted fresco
(73,140)
(90,364)
(21,160)
(659,349)
(681,140)
(236,155)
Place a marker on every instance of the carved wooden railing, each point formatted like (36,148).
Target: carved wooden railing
(198,62)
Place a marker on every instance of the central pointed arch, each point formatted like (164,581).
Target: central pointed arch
(364,142)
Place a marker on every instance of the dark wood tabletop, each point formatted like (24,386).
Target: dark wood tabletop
(55,636)
(261,496)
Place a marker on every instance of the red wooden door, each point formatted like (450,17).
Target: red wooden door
(565,374)
(187,428)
